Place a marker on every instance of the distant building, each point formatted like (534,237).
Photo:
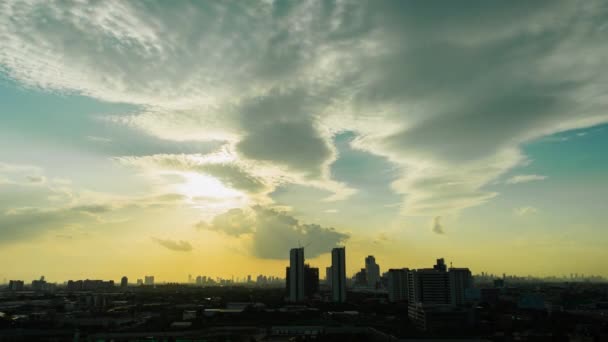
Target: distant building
(89,285)
(124,282)
(429,285)
(296,275)
(372,270)
(140,282)
(40,284)
(361,278)
(328,276)
(311,280)
(460,281)
(149,280)
(397,284)
(440,265)
(16,285)
(338,274)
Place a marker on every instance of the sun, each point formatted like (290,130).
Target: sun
(199,185)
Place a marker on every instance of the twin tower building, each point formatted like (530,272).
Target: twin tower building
(303,280)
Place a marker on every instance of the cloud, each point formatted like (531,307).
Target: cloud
(517,179)
(437,227)
(272,233)
(524,211)
(177,246)
(445,99)
(99,139)
(36,179)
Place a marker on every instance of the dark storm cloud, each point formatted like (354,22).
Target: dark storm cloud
(274,232)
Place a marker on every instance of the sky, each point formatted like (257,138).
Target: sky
(174,138)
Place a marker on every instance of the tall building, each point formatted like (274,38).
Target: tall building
(361,278)
(296,274)
(338,274)
(149,280)
(311,281)
(398,284)
(460,280)
(372,269)
(124,282)
(328,276)
(429,286)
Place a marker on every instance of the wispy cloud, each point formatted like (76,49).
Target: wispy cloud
(524,211)
(525,179)
(177,246)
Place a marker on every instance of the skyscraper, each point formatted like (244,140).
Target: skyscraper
(372,270)
(311,281)
(296,274)
(124,282)
(338,274)
(149,280)
(460,280)
(328,276)
(397,284)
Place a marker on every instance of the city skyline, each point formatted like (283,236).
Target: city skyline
(168,139)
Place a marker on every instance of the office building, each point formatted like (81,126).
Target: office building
(372,269)
(361,278)
(149,280)
(311,281)
(440,265)
(16,285)
(296,275)
(428,285)
(338,274)
(328,276)
(460,281)
(124,282)
(397,284)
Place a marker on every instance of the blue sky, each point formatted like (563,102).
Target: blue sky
(161,134)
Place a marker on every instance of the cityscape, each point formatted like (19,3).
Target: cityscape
(396,305)
(303,170)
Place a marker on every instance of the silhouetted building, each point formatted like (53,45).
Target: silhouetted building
(16,285)
(40,285)
(311,281)
(428,285)
(140,282)
(328,276)
(149,280)
(124,282)
(296,275)
(89,285)
(460,281)
(397,284)
(440,265)
(361,278)
(372,270)
(338,274)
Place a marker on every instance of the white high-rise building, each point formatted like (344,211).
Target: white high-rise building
(372,270)
(460,280)
(398,284)
(296,274)
(338,274)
